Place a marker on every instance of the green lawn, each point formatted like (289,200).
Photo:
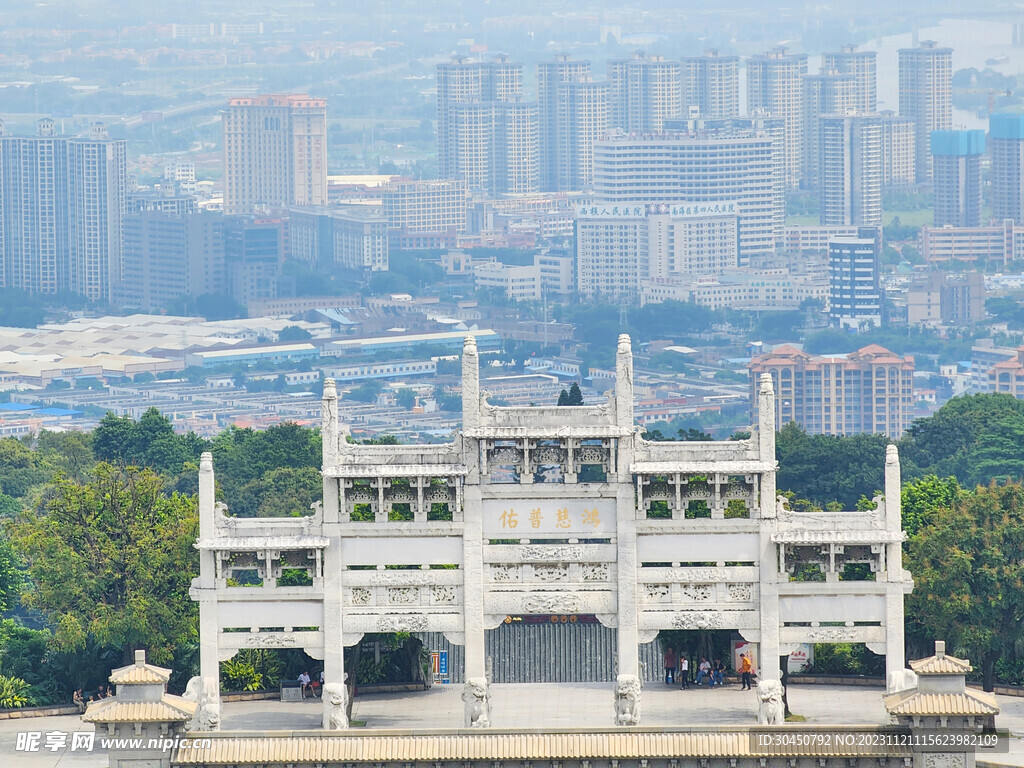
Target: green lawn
(915,218)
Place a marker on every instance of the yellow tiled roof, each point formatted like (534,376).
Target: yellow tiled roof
(970,702)
(139,674)
(171,709)
(311,748)
(941,665)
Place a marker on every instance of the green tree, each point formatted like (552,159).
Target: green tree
(921,498)
(19,468)
(573,397)
(11,578)
(824,468)
(406,398)
(112,560)
(968,566)
(293,333)
(974,438)
(281,492)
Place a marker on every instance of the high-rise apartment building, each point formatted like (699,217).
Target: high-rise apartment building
(435,205)
(644,91)
(619,247)
(167,256)
(275,152)
(898,150)
(956,172)
(741,166)
(855,294)
(253,254)
(827,93)
(711,84)
(867,391)
(926,97)
(851,170)
(351,237)
(556,108)
(62,204)
(863,66)
(33,211)
(775,85)
(97,199)
(582,120)
(1006,143)
(487,135)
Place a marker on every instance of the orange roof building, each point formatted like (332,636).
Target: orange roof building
(867,391)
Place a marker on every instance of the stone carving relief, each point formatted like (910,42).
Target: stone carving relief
(591,454)
(361,596)
(548,455)
(595,571)
(945,760)
(656,592)
(403,595)
(335,702)
(697,620)
(443,595)
(551,572)
(505,455)
(770,707)
(506,572)
(401,494)
(539,552)
(270,640)
(696,592)
(830,635)
(412,623)
(698,574)
(627,700)
(205,692)
(477,700)
(554,603)
(402,578)
(739,593)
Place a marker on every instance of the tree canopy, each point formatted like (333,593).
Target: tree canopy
(111,561)
(968,566)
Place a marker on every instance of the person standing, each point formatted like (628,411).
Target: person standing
(684,671)
(746,668)
(670,665)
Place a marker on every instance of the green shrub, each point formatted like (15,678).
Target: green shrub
(240,676)
(14,693)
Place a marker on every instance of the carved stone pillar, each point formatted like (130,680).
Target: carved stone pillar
(477,704)
(209,663)
(895,652)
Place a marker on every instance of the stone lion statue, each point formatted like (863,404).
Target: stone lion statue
(477,699)
(627,700)
(335,702)
(901,680)
(205,692)
(771,710)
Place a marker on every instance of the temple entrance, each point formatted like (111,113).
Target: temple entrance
(559,649)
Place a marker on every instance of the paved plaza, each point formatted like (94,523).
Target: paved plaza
(577,705)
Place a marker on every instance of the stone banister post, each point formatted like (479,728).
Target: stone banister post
(205,587)
(329,423)
(766,418)
(624,385)
(895,650)
(470,385)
